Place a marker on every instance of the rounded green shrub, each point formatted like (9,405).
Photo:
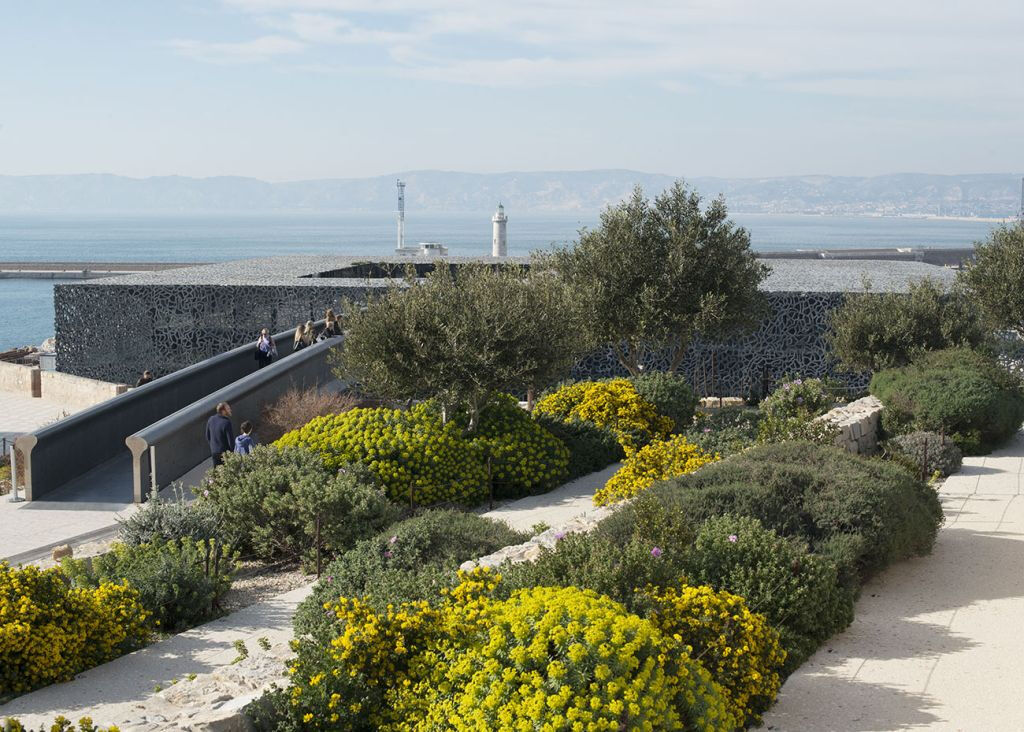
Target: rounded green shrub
(160,520)
(817,493)
(958,392)
(269,502)
(798,592)
(414,457)
(926,452)
(523,458)
(409,561)
(670,394)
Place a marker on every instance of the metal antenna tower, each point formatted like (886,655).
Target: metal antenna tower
(401,215)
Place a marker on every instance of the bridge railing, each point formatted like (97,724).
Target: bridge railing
(71,447)
(168,449)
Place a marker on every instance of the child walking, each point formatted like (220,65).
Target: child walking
(244,443)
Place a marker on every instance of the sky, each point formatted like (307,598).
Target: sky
(300,89)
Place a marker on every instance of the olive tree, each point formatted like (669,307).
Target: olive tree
(657,274)
(994,279)
(872,331)
(462,335)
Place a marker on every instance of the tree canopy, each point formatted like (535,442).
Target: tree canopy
(656,274)
(995,279)
(871,331)
(463,336)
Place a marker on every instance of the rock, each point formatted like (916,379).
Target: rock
(221,720)
(61,552)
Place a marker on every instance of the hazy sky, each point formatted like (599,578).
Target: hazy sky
(289,89)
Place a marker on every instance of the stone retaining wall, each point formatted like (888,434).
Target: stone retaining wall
(18,379)
(858,424)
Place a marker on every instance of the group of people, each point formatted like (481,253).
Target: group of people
(305,335)
(220,435)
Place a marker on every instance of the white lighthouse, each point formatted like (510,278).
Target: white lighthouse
(499,243)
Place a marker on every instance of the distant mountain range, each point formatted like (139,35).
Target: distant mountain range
(987,195)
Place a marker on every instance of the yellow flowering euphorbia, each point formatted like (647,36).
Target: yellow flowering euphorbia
(412,454)
(738,647)
(49,631)
(659,460)
(614,404)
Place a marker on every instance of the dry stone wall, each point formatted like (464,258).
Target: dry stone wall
(858,424)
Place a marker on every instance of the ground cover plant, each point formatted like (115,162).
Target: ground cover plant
(50,631)
(790,412)
(725,431)
(957,392)
(276,502)
(60,724)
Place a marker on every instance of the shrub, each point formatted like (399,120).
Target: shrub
(159,520)
(409,561)
(958,392)
(590,447)
(179,583)
(412,455)
(297,407)
(798,592)
(268,502)
(656,461)
(614,404)
(789,412)
(555,657)
(525,459)
(670,394)
(49,631)
(739,648)
(816,493)
(725,431)
(926,452)
(873,331)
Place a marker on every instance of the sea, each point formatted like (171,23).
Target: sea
(26,306)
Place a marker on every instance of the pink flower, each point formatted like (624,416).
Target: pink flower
(392,540)
(733,538)
(655,552)
(387,555)
(206,494)
(707,429)
(559,535)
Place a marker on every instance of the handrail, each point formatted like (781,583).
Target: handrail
(166,450)
(59,452)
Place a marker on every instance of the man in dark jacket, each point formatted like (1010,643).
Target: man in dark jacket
(220,434)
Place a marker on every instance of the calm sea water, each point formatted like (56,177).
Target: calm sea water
(26,306)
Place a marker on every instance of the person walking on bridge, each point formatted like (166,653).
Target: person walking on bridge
(266,349)
(220,434)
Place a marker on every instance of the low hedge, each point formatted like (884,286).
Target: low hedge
(655,461)
(961,393)
(268,503)
(411,560)
(50,631)
(877,511)
(591,448)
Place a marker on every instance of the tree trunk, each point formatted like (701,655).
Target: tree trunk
(629,365)
(679,355)
(531,397)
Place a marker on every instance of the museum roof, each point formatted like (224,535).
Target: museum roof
(787,275)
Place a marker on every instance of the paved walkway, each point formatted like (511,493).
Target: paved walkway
(20,414)
(937,641)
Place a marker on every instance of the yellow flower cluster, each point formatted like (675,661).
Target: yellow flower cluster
(544,659)
(414,457)
(60,724)
(738,647)
(614,404)
(524,457)
(659,460)
(49,632)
